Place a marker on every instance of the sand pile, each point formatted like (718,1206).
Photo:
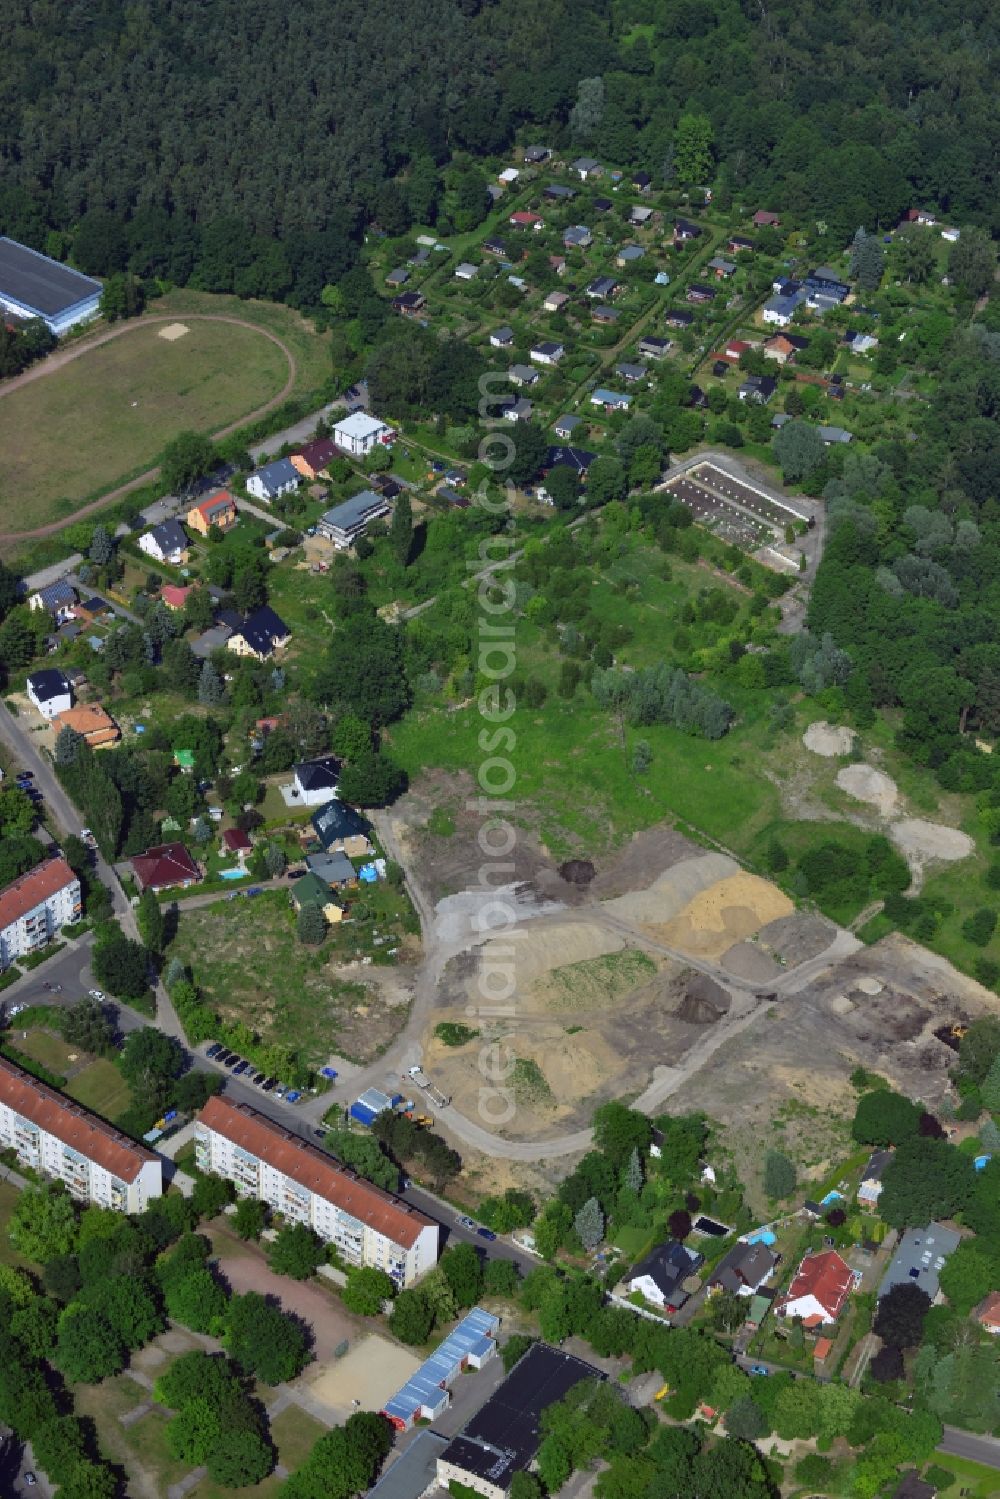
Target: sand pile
(540,949)
(726,913)
(920,840)
(865,784)
(703,1001)
(748,961)
(823,739)
(671,891)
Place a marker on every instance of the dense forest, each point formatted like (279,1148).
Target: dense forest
(243,145)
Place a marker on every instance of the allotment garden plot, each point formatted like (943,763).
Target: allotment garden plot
(735,509)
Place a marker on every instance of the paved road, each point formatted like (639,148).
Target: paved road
(978,1449)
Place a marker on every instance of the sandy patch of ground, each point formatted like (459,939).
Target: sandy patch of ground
(824,739)
(922,841)
(672,890)
(748,961)
(173,331)
(726,913)
(645,856)
(553,944)
(371,1372)
(865,784)
(797,938)
(317,1308)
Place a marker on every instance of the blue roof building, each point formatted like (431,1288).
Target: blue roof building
(425,1393)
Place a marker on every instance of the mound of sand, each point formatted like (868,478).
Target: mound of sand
(726,913)
(747,961)
(865,784)
(920,840)
(671,891)
(173,331)
(823,739)
(540,949)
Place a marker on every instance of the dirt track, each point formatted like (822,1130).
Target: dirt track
(63,357)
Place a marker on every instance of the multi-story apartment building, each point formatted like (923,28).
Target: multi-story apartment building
(62,1139)
(36,906)
(367,1226)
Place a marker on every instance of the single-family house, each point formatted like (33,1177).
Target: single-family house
(555,301)
(661,1276)
(629,255)
(558,264)
(823,281)
(738,244)
(164,867)
(56,598)
(502,338)
(91,722)
(912,1486)
(759,388)
(166,542)
(272,480)
(535,155)
(698,292)
(832,436)
(723,268)
(870,1189)
(50,691)
(508,176)
(311,890)
(697,399)
(783,347)
(765,220)
(344,523)
(219,510)
(642,182)
(860,343)
(678,317)
(639,217)
(611,400)
(926,217)
(819,1289)
(577,237)
(778,311)
(398,277)
(340,827)
(630,373)
(419,258)
(586,167)
(735,348)
(654,347)
(518,411)
(785,286)
(466,271)
(334,869)
(260,635)
(234,841)
(525,220)
(605,315)
(684,230)
(557,192)
(951,235)
(601,288)
(522,374)
(565,426)
(496,247)
(743,1270)
(90,609)
(987,1314)
(359,434)
(919,1259)
(602,205)
(578,459)
(720,369)
(313,460)
(314,782)
(454,496)
(409,303)
(174,595)
(547,352)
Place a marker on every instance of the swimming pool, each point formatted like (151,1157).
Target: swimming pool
(232,874)
(825,1202)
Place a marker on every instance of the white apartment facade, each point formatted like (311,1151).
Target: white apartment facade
(359,433)
(306,1185)
(34,907)
(62,1139)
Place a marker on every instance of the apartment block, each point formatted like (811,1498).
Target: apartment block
(34,907)
(306,1185)
(62,1139)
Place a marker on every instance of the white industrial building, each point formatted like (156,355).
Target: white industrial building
(306,1185)
(61,1139)
(34,907)
(33,286)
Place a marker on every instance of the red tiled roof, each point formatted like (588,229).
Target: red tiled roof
(215,502)
(235,838)
(174,596)
(987,1313)
(314,1170)
(317,454)
(169,864)
(826,1277)
(27,892)
(71,1123)
(822,1348)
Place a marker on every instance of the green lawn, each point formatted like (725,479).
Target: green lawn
(295,1433)
(51,1050)
(115,406)
(101,1087)
(972,1479)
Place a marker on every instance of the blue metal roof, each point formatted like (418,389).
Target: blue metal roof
(473,1335)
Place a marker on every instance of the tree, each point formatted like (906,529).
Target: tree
(263,1340)
(619,1131)
(310,925)
(297,1251)
(197,1300)
(589,1224)
(464,1273)
(127,1305)
(562,484)
(366,1290)
(979,1047)
(693,149)
(211,1194)
(867,262)
(926,1179)
(186,458)
(972,262)
(364,670)
(121,966)
(67,746)
(43,1224)
(585,116)
(87,1347)
(102,547)
(411,1319)
(745,1420)
(729,1312)
(276,860)
(150,1061)
(899,1319)
(779,1175)
(679,1223)
(250,1218)
(211,689)
(149,915)
(606,482)
(86,1025)
(799,449)
(884,1118)
(401,529)
(345,1461)
(373,780)
(500,1278)
(887,1365)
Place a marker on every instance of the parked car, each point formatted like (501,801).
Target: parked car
(254,890)
(268,1085)
(231,1060)
(258,1078)
(216,1049)
(296,874)
(293,1096)
(465,1222)
(15,1010)
(320,1133)
(240,1068)
(30,1480)
(97,994)
(486,1233)
(758,1369)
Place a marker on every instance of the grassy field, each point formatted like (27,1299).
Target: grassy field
(101,1087)
(295,1433)
(107,414)
(51,1050)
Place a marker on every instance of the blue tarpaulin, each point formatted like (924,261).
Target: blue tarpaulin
(368,873)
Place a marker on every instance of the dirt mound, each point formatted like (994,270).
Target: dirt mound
(921,841)
(646,856)
(865,784)
(748,961)
(726,913)
(796,938)
(672,890)
(703,1001)
(577,871)
(823,739)
(546,946)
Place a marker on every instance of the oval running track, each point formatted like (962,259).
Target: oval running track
(63,356)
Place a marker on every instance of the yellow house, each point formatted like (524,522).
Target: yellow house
(218,510)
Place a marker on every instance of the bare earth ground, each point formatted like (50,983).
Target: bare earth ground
(315,1307)
(371,1372)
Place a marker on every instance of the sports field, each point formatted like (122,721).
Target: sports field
(87,425)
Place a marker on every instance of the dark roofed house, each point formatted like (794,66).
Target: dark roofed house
(56,598)
(661,1275)
(50,691)
(743,1270)
(697,292)
(337,822)
(759,388)
(565,426)
(642,182)
(166,542)
(739,243)
(334,869)
(314,782)
(684,230)
(578,459)
(408,303)
(33,286)
(679,317)
(654,347)
(604,314)
(314,458)
(602,287)
(259,635)
(535,155)
(914,1487)
(163,867)
(556,190)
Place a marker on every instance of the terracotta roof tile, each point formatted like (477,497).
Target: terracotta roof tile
(825,1276)
(315,1170)
(27,892)
(71,1123)
(168,864)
